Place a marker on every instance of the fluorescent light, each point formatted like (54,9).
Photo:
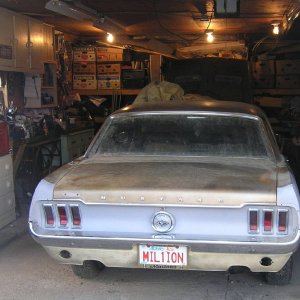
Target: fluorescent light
(81,12)
(67,10)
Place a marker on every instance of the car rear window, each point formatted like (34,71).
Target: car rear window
(184,135)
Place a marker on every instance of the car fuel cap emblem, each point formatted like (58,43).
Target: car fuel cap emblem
(163,221)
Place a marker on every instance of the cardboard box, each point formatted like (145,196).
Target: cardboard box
(87,67)
(284,67)
(266,82)
(270,101)
(109,57)
(109,82)
(288,81)
(84,54)
(84,82)
(109,54)
(109,50)
(108,69)
(263,68)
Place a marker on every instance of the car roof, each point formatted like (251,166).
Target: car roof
(194,106)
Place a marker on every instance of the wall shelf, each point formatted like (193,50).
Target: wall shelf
(277,92)
(109,92)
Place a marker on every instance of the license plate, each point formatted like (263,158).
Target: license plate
(162,256)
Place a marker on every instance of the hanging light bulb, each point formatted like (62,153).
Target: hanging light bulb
(110,38)
(209,36)
(275,25)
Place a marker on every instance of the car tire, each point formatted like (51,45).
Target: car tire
(281,277)
(88,270)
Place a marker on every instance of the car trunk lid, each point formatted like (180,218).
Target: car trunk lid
(171,182)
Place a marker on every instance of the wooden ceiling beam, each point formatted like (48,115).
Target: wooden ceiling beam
(151,45)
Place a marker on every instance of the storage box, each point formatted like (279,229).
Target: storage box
(109,82)
(263,68)
(84,54)
(266,82)
(109,50)
(4,140)
(104,56)
(288,82)
(133,79)
(109,54)
(284,67)
(87,67)
(84,82)
(108,69)
(278,102)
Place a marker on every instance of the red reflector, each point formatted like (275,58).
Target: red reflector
(63,219)
(253,219)
(76,215)
(268,221)
(282,221)
(49,215)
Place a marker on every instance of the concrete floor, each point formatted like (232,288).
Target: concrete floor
(27,272)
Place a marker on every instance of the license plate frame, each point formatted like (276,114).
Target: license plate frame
(163,256)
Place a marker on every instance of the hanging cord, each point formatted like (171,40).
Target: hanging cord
(35,87)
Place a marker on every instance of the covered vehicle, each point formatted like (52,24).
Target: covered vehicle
(195,185)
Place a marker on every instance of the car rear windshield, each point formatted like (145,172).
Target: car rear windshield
(183,135)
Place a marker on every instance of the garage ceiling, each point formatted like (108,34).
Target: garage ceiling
(171,26)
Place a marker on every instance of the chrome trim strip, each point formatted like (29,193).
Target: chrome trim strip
(186,112)
(200,205)
(81,241)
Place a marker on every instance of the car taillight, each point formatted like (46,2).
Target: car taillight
(62,213)
(282,221)
(75,215)
(49,215)
(268,220)
(253,220)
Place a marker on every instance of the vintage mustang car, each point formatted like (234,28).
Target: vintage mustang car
(195,185)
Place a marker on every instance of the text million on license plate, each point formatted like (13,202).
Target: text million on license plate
(162,256)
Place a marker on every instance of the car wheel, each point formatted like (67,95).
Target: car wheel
(88,270)
(281,277)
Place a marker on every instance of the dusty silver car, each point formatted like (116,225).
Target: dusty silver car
(192,185)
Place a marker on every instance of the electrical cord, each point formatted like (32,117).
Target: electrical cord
(36,91)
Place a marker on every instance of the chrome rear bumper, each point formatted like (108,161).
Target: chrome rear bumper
(218,246)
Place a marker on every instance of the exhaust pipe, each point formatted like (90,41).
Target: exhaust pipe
(266,261)
(65,254)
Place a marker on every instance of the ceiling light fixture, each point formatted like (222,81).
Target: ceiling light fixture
(275,25)
(110,38)
(80,12)
(67,10)
(209,35)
